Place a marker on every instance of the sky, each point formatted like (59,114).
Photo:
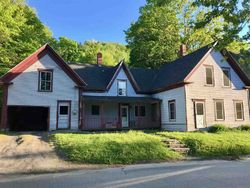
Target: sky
(83,20)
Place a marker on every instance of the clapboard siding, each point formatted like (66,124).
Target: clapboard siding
(24,90)
(113,89)
(178,95)
(198,90)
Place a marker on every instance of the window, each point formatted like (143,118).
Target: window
(219,110)
(200,108)
(45,80)
(122,87)
(172,110)
(95,110)
(64,110)
(209,76)
(226,77)
(239,112)
(140,111)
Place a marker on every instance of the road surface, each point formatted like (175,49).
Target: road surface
(202,174)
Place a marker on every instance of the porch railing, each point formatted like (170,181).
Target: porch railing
(111,122)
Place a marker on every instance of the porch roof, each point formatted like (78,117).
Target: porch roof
(121,99)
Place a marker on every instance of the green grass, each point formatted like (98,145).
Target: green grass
(222,144)
(113,148)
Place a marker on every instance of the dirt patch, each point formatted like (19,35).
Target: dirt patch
(28,153)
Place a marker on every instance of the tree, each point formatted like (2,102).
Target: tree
(68,49)
(235,13)
(72,51)
(146,34)
(21,33)
(154,38)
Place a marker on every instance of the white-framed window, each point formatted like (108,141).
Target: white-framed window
(219,110)
(172,110)
(122,87)
(140,111)
(209,75)
(239,110)
(45,80)
(226,77)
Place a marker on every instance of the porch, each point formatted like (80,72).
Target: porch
(102,113)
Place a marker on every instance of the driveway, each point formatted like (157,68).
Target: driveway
(31,153)
(205,174)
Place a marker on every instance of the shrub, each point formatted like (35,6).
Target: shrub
(218,128)
(244,128)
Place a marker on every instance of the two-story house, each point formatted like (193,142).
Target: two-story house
(198,90)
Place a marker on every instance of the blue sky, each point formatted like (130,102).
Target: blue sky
(83,20)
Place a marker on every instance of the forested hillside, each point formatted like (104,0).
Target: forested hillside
(22,33)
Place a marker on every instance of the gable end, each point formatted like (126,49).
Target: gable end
(26,63)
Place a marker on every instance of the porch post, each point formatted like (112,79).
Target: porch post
(83,114)
(138,115)
(101,116)
(80,110)
(119,125)
(159,113)
(4,107)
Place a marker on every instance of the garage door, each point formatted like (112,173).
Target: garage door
(26,118)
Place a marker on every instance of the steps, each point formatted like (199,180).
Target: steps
(176,146)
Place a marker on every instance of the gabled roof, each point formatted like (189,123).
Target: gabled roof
(101,77)
(233,60)
(96,77)
(144,80)
(26,63)
(175,72)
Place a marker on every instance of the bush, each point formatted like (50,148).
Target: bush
(218,128)
(244,128)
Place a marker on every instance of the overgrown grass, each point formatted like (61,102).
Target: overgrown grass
(113,148)
(221,144)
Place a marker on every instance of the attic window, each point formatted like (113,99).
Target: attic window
(209,76)
(122,87)
(226,77)
(45,80)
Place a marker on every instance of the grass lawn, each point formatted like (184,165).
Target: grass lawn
(222,144)
(113,148)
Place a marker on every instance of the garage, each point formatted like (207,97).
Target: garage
(28,118)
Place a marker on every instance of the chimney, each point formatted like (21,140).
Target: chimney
(183,50)
(99,58)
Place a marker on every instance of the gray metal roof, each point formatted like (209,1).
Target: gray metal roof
(98,77)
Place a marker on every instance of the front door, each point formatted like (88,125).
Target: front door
(124,116)
(63,118)
(199,114)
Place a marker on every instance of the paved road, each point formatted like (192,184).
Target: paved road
(202,174)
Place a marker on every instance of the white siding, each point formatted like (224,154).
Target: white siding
(113,89)
(24,90)
(198,90)
(178,95)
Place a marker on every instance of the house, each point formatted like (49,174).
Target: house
(198,90)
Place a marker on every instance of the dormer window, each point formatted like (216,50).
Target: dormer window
(226,77)
(45,80)
(209,76)
(122,87)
